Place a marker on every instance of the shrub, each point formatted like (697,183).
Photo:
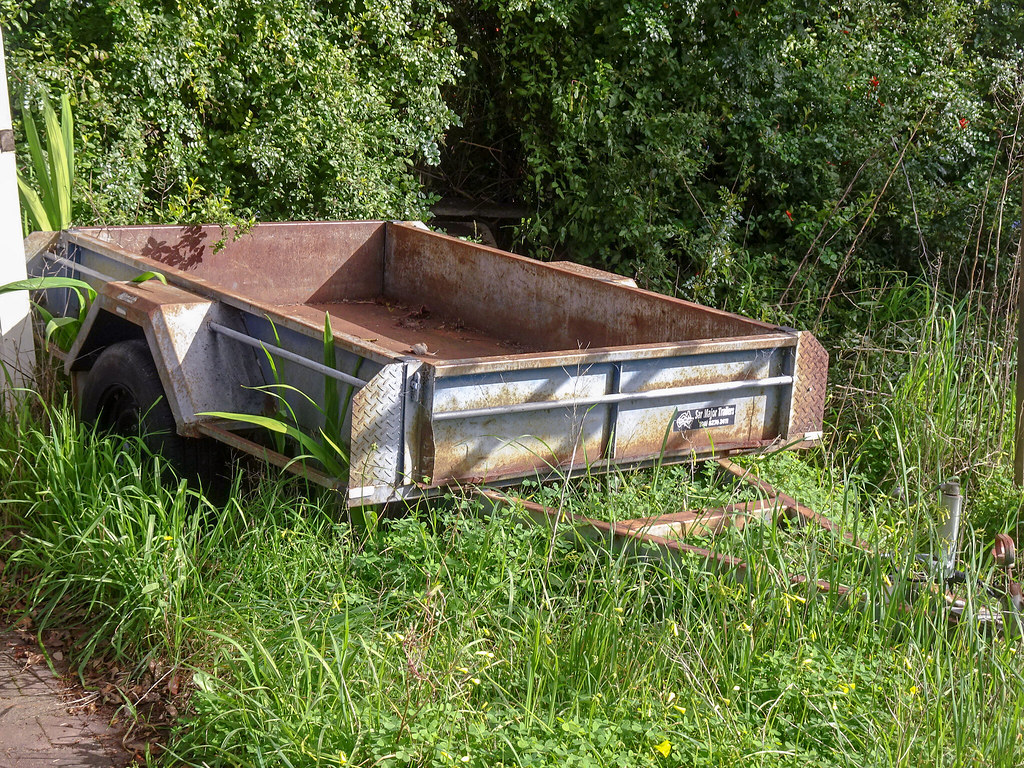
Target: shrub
(696,142)
(284,109)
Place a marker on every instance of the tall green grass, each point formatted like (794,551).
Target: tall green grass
(101,544)
(456,637)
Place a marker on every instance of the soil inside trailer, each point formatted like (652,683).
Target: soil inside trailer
(398,326)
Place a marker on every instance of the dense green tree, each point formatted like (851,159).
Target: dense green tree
(285,109)
(702,144)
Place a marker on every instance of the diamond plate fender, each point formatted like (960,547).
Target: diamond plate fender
(810,377)
(379,448)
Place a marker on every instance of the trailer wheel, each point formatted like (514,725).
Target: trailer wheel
(122,394)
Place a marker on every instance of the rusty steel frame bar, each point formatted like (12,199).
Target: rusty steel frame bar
(253,448)
(53,257)
(709,521)
(618,535)
(624,397)
(305,362)
(798,511)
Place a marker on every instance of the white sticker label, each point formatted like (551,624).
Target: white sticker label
(705,418)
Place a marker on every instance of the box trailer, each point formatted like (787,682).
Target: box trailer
(454,363)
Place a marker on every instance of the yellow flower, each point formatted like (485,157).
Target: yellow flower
(912,690)
(463,670)
(807,662)
(744,627)
(680,710)
(665,748)
(488,654)
(168,538)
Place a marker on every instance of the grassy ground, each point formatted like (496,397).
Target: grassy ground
(447,637)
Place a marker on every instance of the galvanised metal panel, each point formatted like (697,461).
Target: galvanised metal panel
(527,421)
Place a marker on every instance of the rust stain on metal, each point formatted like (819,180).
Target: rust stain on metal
(273,263)
(582,357)
(400,325)
(565,310)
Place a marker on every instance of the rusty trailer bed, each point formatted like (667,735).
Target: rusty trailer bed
(459,363)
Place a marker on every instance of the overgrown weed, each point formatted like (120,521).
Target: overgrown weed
(456,637)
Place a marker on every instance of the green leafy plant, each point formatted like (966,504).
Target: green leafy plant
(692,143)
(53,163)
(326,447)
(273,109)
(60,330)
(63,330)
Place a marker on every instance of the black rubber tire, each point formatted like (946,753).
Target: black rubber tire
(122,394)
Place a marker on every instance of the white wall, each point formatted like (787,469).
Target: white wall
(16,350)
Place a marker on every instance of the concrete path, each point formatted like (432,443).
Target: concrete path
(37,725)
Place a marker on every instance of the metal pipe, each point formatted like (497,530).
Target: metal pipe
(284,353)
(624,397)
(1018,437)
(949,527)
(78,267)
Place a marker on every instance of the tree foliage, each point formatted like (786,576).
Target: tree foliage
(698,142)
(285,109)
(713,149)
